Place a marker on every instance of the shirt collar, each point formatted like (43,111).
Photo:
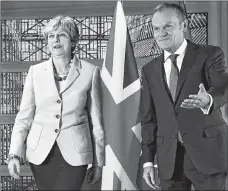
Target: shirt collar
(180,50)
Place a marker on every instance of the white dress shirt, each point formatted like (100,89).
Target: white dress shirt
(167,66)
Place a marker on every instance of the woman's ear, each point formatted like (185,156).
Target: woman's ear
(73,46)
(74,43)
(48,50)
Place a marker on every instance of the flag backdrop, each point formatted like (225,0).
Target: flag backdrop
(121,99)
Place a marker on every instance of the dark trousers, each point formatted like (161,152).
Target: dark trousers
(56,174)
(185,175)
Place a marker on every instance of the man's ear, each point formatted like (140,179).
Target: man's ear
(73,44)
(185,25)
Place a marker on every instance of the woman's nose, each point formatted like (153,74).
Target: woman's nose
(56,38)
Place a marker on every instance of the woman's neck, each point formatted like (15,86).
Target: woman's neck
(62,65)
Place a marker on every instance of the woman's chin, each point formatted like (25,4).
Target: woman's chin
(55,54)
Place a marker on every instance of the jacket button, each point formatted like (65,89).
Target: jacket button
(56,130)
(174,136)
(57,116)
(58,101)
(175,113)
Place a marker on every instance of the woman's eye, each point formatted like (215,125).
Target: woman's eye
(50,36)
(62,34)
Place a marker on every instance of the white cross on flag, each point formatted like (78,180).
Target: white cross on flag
(121,89)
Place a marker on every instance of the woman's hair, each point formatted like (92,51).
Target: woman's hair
(66,23)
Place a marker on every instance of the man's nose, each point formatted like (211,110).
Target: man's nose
(162,32)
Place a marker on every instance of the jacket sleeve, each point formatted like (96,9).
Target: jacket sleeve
(95,119)
(149,122)
(218,78)
(24,117)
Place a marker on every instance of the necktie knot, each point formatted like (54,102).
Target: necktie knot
(173,57)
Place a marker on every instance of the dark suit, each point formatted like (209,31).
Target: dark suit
(204,136)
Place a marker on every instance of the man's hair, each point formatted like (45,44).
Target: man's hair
(177,8)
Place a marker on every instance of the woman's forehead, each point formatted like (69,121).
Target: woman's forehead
(57,29)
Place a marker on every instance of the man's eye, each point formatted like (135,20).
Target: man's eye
(156,29)
(168,26)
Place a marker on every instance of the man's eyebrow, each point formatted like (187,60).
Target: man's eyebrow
(164,24)
(170,22)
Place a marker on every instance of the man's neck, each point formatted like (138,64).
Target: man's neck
(175,48)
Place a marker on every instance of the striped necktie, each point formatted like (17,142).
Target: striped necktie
(173,75)
(173,79)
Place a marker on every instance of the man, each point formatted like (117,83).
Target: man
(183,90)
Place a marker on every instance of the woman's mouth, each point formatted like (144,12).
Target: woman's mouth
(57,46)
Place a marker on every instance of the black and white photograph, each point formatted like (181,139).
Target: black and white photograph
(114,95)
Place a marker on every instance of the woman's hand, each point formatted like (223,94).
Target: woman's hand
(94,174)
(14,168)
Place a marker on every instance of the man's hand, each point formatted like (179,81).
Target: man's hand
(94,174)
(149,177)
(200,100)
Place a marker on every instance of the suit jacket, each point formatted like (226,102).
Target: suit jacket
(204,136)
(71,117)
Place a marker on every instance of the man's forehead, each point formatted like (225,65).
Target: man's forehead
(165,16)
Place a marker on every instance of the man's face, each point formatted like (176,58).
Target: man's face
(168,30)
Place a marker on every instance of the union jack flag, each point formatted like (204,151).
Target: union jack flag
(121,99)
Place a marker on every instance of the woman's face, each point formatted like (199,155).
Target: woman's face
(59,43)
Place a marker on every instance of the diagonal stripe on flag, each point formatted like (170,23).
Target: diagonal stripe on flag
(120,78)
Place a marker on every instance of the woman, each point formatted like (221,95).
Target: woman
(59,123)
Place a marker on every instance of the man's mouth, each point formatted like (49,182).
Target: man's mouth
(163,39)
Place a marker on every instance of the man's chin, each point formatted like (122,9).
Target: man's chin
(164,47)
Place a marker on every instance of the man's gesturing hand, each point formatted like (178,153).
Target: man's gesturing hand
(200,100)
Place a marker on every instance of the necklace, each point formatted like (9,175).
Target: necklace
(59,77)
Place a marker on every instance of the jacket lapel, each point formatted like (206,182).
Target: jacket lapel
(188,62)
(50,77)
(73,74)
